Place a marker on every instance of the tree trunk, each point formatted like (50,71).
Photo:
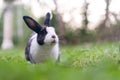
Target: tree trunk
(60,23)
(85,17)
(106,22)
(59,20)
(8,27)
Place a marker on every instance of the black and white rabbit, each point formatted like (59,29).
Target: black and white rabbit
(43,43)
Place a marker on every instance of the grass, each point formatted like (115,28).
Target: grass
(99,61)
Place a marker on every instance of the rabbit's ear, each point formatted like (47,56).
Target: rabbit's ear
(32,24)
(47,19)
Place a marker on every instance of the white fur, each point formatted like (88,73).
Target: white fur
(48,37)
(40,53)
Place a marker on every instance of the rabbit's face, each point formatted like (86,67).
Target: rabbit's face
(47,36)
(51,36)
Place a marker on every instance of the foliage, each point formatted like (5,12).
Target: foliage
(79,36)
(83,62)
(108,33)
(54,22)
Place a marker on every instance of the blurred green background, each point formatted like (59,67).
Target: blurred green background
(89,33)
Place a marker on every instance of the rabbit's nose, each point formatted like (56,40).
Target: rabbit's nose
(53,36)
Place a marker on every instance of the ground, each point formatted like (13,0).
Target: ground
(94,61)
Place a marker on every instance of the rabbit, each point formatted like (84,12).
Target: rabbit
(43,44)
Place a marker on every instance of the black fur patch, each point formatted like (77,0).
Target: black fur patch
(27,49)
(27,52)
(41,36)
(47,20)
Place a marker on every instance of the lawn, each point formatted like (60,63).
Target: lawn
(95,61)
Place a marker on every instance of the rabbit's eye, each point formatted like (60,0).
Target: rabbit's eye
(41,36)
(43,31)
